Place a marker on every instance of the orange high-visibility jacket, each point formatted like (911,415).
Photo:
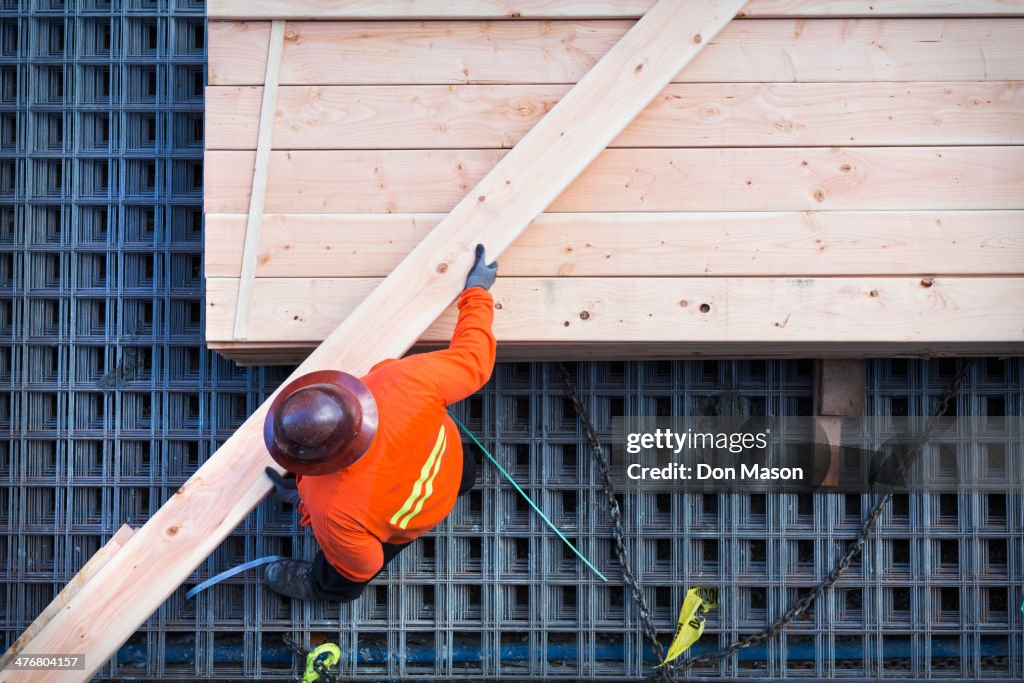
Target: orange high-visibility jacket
(406,483)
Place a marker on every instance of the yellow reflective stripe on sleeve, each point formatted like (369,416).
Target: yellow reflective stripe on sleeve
(424,475)
(430,485)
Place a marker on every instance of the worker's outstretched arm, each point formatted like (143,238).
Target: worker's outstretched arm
(466,365)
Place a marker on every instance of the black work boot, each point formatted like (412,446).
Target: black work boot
(293,578)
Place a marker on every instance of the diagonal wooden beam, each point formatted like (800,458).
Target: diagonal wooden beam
(190,525)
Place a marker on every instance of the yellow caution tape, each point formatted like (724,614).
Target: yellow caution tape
(691,620)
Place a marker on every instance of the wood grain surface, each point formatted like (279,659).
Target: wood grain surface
(683,115)
(710,310)
(588,9)
(723,179)
(770,50)
(647,244)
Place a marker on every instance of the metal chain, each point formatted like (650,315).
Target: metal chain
(800,606)
(296,649)
(327,675)
(615,512)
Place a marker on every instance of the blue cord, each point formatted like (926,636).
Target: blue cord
(213,580)
(528,500)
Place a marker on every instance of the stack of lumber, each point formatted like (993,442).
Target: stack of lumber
(826,178)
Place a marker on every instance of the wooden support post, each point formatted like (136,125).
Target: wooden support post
(190,525)
(838,393)
(261,168)
(84,575)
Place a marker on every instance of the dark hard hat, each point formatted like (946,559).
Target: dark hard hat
(321,423)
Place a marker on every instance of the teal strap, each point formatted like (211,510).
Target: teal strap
(213,580)
(528,500)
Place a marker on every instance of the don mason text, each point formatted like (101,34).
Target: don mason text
(705,472)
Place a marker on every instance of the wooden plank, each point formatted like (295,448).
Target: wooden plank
(711,310)
(838,393)
(647,244)
(684,115)
(84,575)
(768,50)
(889,8)
(295,353)
(190,525)
(591,9)
(265,128)
(839,387)
(730,179)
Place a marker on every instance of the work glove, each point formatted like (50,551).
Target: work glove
(285,490)
(481,274)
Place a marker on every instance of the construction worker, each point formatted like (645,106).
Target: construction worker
(379,460)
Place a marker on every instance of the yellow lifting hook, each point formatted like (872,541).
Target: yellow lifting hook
(324,656)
